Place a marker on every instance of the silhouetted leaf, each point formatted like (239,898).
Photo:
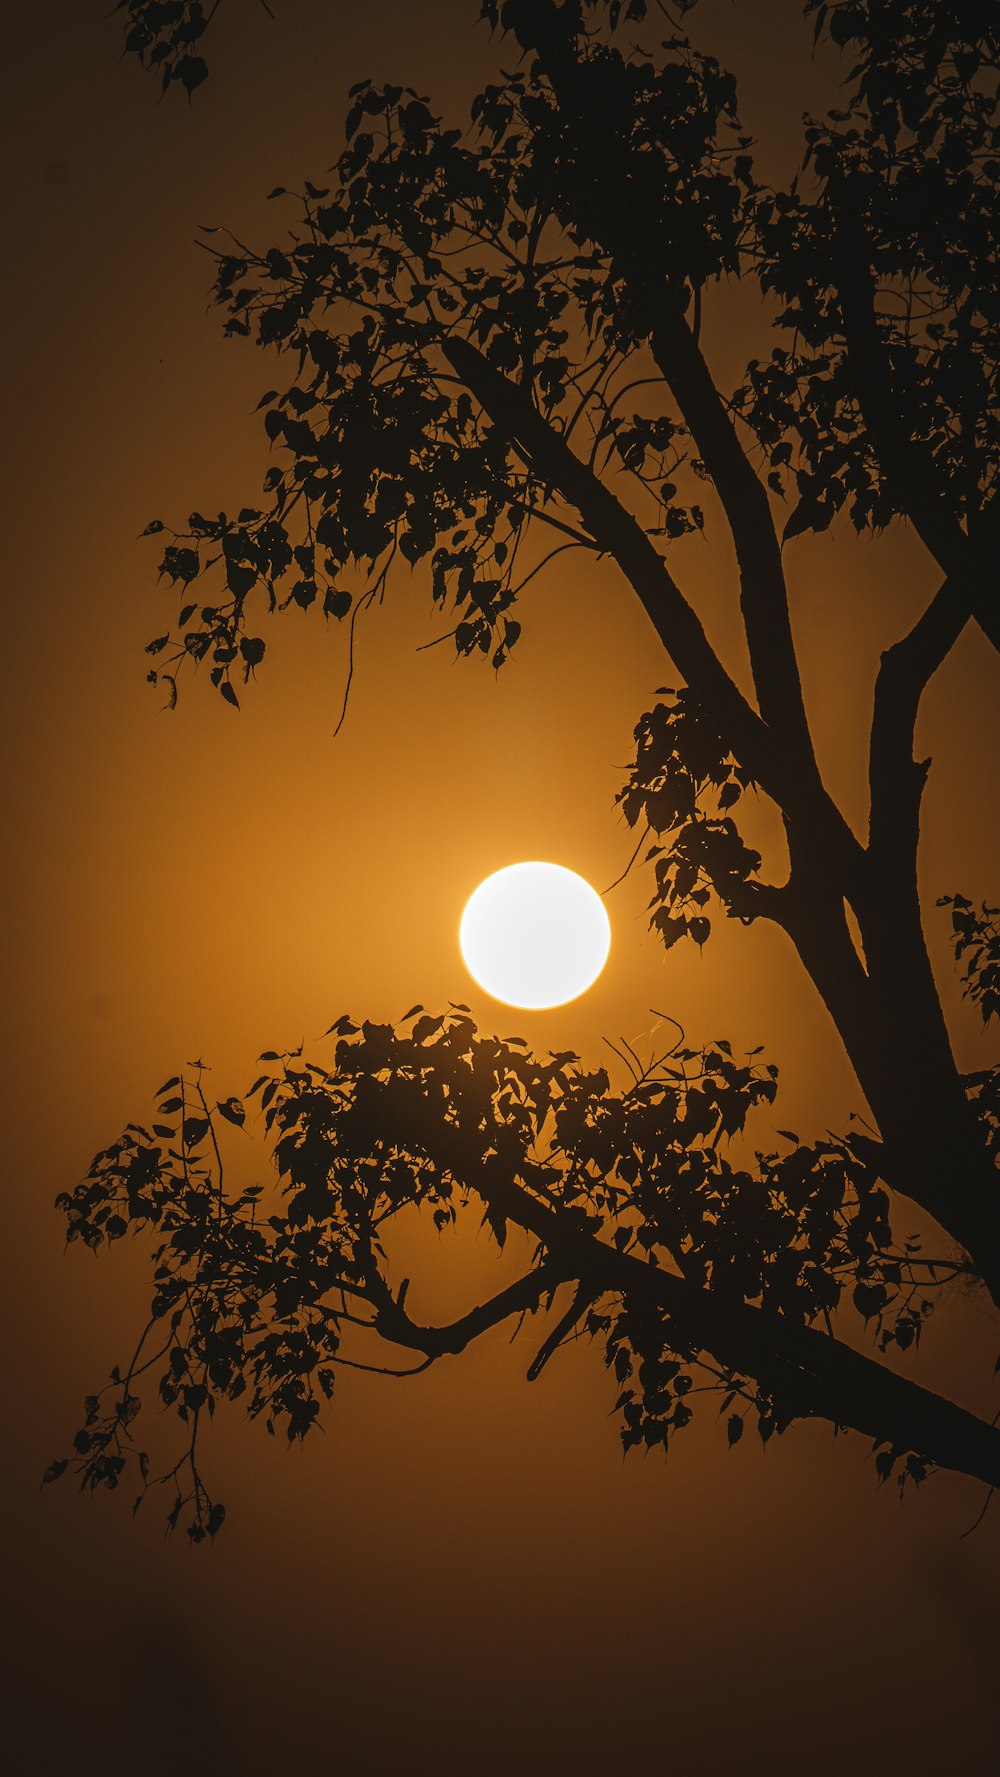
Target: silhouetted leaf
(191,72)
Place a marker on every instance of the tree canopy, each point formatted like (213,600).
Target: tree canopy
(491,345)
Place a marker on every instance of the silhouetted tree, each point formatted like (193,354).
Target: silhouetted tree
(493,336)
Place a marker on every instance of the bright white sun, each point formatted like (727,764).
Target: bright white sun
(535,935)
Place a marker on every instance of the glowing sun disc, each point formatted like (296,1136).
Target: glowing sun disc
(535,935)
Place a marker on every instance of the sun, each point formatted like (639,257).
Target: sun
(535,935)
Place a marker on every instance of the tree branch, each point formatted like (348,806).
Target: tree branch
(791,773)
(582,1299)
(618,533)
(896,780)
(553,34)
(395,1325)
(763,595)
(914,484)
(811,1373)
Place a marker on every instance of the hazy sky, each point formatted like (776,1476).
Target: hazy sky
(461,1575)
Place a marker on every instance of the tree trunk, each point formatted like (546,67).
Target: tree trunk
(889,1018)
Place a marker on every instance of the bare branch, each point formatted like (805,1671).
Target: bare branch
(395,1324)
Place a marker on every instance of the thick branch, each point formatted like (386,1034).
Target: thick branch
(888,1016)
(810,1373)
(763,595)
(620,535)
(895,779)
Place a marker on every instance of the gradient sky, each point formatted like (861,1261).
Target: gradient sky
(461,1575)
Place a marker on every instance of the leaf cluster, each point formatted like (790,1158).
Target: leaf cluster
(976,939)
(166,35)
(683,783)
(259,1294)
(883,259)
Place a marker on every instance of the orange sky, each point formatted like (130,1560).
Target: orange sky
(461,1575)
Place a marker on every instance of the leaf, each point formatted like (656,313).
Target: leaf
(870,1298)
(233,1111)
(734,1429)
(809,515)
(884,1463)
(191,73)
(229,694)
(240,578)
(337,602)
(54,1470)
(193,1130)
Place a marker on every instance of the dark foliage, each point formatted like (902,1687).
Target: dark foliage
(167,35)
(977,948)
(489,349)
(260,1293)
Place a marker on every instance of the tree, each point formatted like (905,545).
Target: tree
(491,334)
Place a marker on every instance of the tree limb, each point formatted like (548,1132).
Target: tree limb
(763,595)
(813,1374)
(895,779)
(678,626)
(552,34)
(392,1321)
